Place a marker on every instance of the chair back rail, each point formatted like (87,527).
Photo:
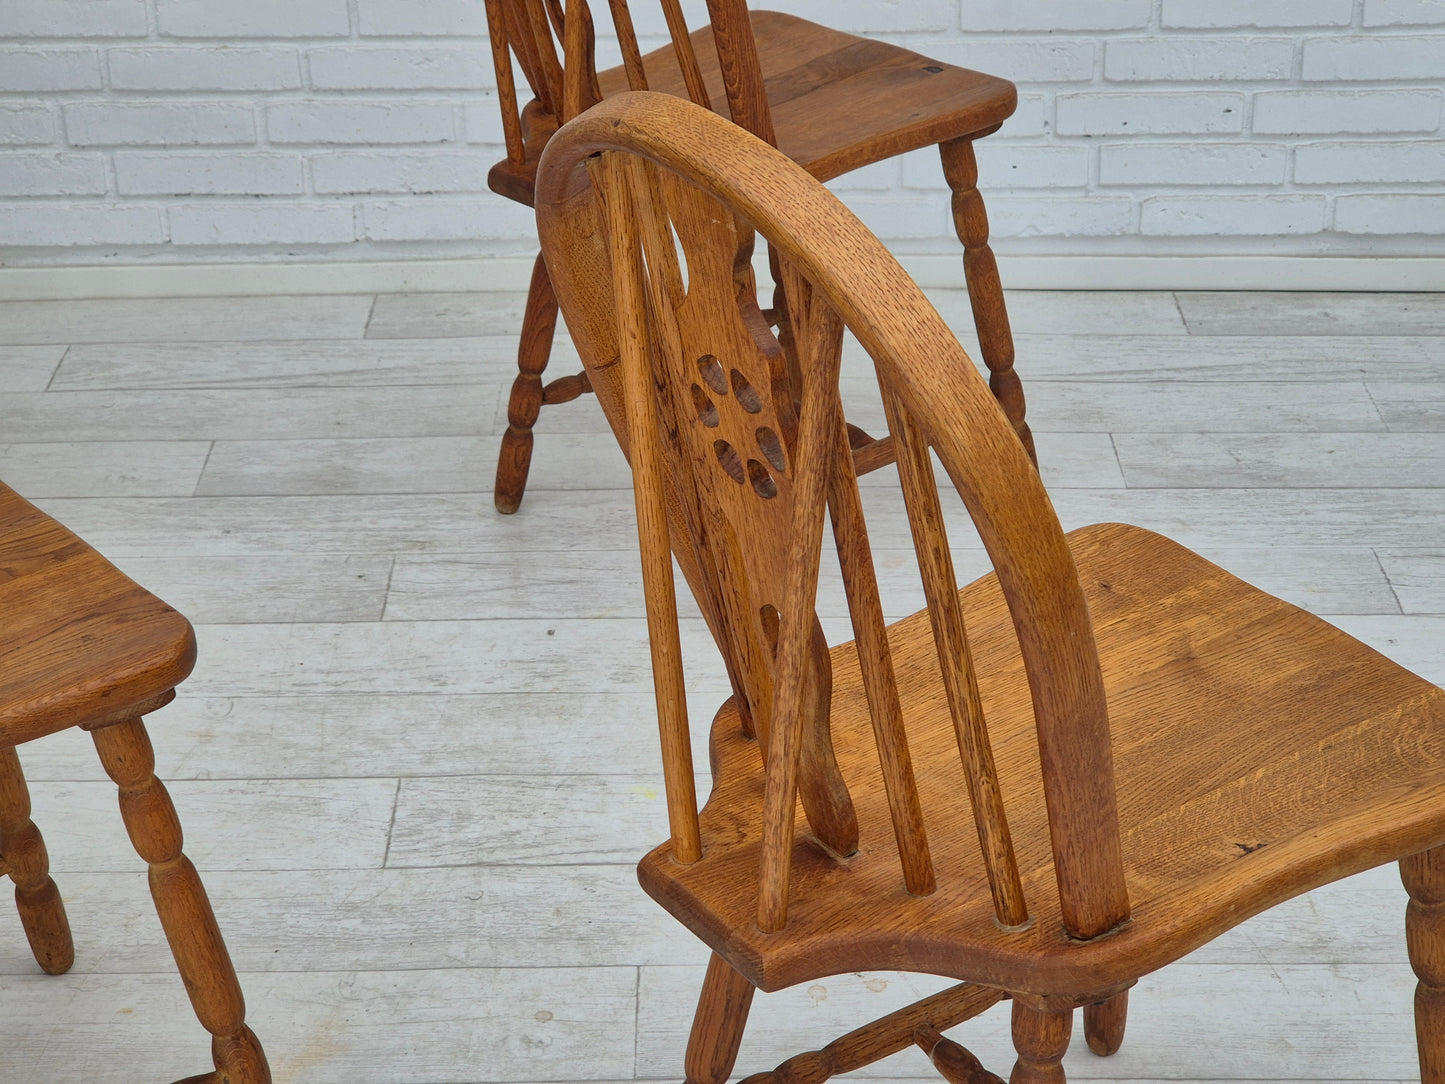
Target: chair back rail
(716,368)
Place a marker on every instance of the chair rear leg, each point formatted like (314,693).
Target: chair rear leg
(1104,1023)
(539,322)
(717,1028)
(1041,1038)
(180,900)
(23,851)
(1424,877)
(985,290)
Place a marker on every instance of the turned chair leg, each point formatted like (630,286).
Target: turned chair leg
(717,1028)
(1104,1023)
(539,322)
(1424,877)
(1041,1038)
(22,850)
(985,290)
(180,900)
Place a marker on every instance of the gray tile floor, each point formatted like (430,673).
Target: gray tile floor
(416,759)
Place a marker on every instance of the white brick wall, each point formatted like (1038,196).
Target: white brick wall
(204,130)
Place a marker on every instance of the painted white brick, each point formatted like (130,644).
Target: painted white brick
(262,224)
(870,16)
(52,175)
(34,224)
(49,69)
(1165,113)
(1289,112)
(26,124)
(408,173)
(1404,12)
(253,18)
(1052,16)
(447,220)
(1390,214)
(72,18)
(1380,163)
(1031,118)
(360,122)
(482,121)
(879,176)
(1261,216)
(1229,14)
(1070,216)
(904,218)
(93,124)
(421,67)
(1024,60)
(204,68)
(1012,165)
(434,18)
(244,173)
(1205,59)
(1395,56)
(1197,163)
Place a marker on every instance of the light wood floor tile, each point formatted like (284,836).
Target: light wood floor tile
(450,316)
(229,824)
(1085,406)
(1415,641)
(1244,313)
(27,368)
(1289,460)
(184,319)
(338,1027)
(276,588)
(1410,405)
(250,414)
(1418,579)
(1070,312)
(324,363)
(104,468)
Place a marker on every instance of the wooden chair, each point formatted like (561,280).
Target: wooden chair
(830,101)
(82,645)
(1058,779)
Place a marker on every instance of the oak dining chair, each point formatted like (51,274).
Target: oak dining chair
(83,646)
(832,102)
(1055,780)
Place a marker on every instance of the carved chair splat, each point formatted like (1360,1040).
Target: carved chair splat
(831,101)
(1115,714)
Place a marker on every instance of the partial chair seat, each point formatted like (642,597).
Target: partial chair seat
(79,640)
(836,99)
(1259,752)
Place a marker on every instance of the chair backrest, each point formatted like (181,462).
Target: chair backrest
(553,42)
(643,204)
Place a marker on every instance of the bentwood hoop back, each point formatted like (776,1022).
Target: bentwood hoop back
(1038,785)
(832,102)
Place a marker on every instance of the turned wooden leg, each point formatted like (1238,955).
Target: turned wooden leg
(717,1028)
(23,852)
(1104,1023)
(538,324)
(185,912)
(1424,877)
(1041,1039)
(985,291)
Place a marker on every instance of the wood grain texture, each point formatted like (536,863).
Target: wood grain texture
(188,319)
(1312,314)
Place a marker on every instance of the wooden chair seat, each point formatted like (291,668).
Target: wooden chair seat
(79,639)
(838,102)
(1255,758)
(83,645)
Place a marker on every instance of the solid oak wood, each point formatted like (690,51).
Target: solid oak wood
(831,101)
(1165,749)
(1104,1023)
(82,645)
(953,1062)
(717,1027)
(1424,878)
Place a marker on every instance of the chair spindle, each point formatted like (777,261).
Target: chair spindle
(686,57)
(627,41)
(506,82)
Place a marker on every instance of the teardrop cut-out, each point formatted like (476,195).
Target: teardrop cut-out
(763,484)
(768,615)
(706,411)
(729,460)
(746,394)
(712,373)
(772,448)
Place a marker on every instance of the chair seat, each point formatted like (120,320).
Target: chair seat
(1259,752)
(79,641)
(838,101)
